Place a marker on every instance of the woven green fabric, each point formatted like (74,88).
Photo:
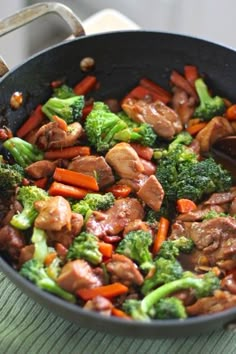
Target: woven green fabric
(26,327)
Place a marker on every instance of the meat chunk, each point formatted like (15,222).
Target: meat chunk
(183,105)
(164,120)
(54,213)
(66,236)
(11,242)
(99,304)
(114,220)
(200,213)
(77,275)
(51,136)
(26,253)
(125,160)
(135,183)
(221,198)
(222,300)
(136,225)
(217,128)
(40,169)
(123,270)
(232,208)
(93,166)
(152,193)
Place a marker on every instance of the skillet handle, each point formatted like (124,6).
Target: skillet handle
(31,13)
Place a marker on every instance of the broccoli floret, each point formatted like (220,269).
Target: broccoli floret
(104,129)
(23,152)
(34,271)
(201,179)
(69,109)
(27,196)
(11,176)
(93,201)
(168,308)
(63,91)
(183,176)
(170,249)
(135,245)
(85,246)
(183,138)
(202,287)
(165,271)
(209,106)
(39,239)
(213,214)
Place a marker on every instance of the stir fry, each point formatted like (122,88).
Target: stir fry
(119,206)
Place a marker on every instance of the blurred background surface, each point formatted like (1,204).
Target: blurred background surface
(209,19)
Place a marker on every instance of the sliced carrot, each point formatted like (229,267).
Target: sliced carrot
(191,74)
(194,121)
(49,258)
(67,153)
(32,122)
(86,85)
(119,313)
(87,110)
(143,151)
(231,112)
(75,178)
(195,128)
(180,81)
(140,92)
(152,86)
(106,249)
(67,191)
(185,205)
(61,123)
(119,190)
(41,183)
(108,291)
(161,235)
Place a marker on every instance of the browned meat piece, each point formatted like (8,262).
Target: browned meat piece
(180,228)
(135,183)
(114,220)
(11,241)
(232,208)
(149,168)
(195,146)
(99,304)
(65,236)
(54,213)
(210,235)
(123,270)
(186,296)
(77,275)
(217,128)
(182,104)
(125,160)
(221,198)
(152,193)
(26,253)
(164,120)
(14,208)
(222,300)
(200,213)
(229,283)
(93,166)
(50,136)
(136,225)
(40,169)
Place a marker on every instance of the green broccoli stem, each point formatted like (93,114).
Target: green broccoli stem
(167,289)
(202,91)
(23,152)
(114,129)
(39,239)
(24,220)
(52,287)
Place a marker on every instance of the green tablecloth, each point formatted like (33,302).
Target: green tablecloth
(26,327)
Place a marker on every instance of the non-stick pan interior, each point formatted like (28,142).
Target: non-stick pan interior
(121,58)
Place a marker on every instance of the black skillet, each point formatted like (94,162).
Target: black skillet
(122,58)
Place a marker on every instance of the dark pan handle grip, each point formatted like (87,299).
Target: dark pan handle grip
(31,13)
